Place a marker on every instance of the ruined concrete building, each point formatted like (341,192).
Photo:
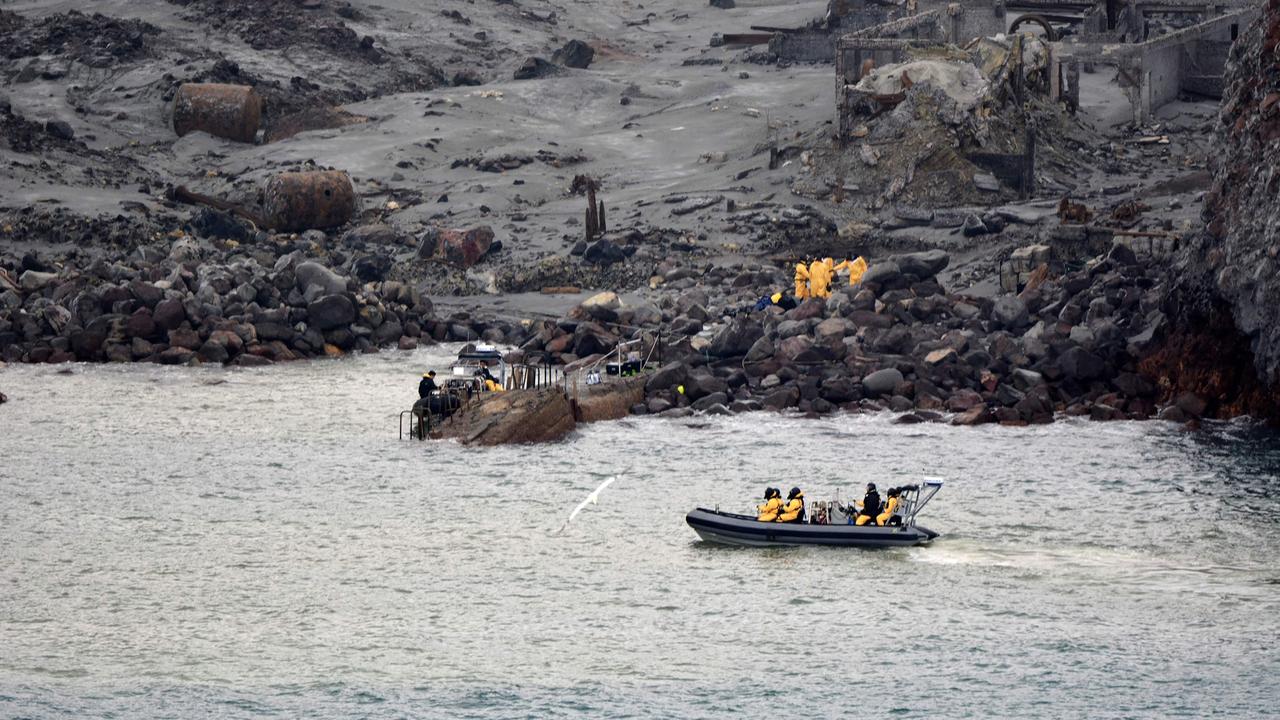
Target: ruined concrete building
(1159,48)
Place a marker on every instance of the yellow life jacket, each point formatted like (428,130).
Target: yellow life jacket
(492,386)
(791,513)
(890,507)
(768,512)
(775,298)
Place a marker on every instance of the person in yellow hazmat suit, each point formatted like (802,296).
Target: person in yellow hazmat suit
(793,511)
(890,506)
(819,279)
(802,281)
(768,512)
(857,268)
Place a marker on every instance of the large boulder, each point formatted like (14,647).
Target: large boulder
(881,382)
(575,54)
(602,304)
(604,252)
(736,338)
(884,275)
(331,311)
(34,281)
(169,313)
(308,274)
(1080,364)
(782,398)
(923,265)
(516,416)
(1010,313)
(460,248)
(667,377)
(839,390)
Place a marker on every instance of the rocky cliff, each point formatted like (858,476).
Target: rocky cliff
(1225,346)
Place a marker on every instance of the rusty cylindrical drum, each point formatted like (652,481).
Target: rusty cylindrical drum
(296,201)
(227,111)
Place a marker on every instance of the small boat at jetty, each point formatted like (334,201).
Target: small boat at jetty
(826,523)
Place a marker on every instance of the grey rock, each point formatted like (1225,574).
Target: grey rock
(881,382)
(331,311)
(883,274)
(1080,364)
(736,338)
(666,377)
(575,54)
(1010,313)
(313,273)
(923,265)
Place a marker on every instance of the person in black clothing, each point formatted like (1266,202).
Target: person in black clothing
(428,384)
(870,506)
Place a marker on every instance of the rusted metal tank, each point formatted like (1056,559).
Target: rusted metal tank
(227,111)
(296,201)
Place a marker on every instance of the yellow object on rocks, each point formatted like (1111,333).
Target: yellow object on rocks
(820,279)
(857,268)
(802,282)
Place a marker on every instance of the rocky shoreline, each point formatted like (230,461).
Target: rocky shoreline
(1070,343)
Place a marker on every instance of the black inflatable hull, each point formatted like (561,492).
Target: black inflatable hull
(743,530)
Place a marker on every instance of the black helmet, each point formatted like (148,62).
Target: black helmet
(871,486)
(794,492)
(768,493)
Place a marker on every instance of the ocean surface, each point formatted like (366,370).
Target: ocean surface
(206,542)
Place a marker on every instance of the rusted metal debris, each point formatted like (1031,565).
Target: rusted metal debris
(296,201)
(747,38)
(1127,213)
(233,112)
(182,194)
(1073,213)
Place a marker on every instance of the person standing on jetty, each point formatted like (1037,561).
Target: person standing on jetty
(427,385)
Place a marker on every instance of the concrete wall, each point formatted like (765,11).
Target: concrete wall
(803,47)
(1162,68)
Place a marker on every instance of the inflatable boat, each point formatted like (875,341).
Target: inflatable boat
(826,523)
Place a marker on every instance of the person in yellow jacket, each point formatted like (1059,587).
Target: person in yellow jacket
(857,268)
(491,383)
(793,511)
(890,507)
(802,281)
(819,279)
(768,512)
